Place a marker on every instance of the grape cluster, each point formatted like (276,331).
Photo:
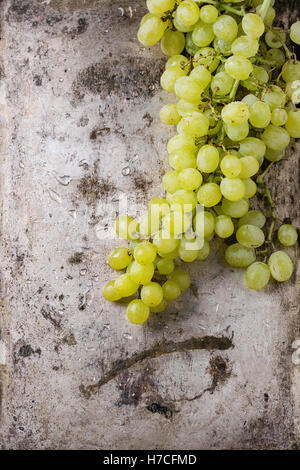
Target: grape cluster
(237,84)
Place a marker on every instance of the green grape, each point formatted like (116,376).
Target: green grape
(160,308)
(250,236)
(276,138)
(190,178)
(169,77)
(292,90)
(152,294)
(245,46)
(149,224)
(189,249)
(250,99)
(176,222)
(224,227)
(275,39)
(291,71)
(293,124)
(165,266)
(208,159)
(270,16)
(235,209)
(187,89)
(137,312)
(203,34)
(183,28)
(145,253)
(252,146)
(209,194)
(126,285)
(181,277)
(260,115)
(169,115)
(179,61)
(165,243)
(250,167)
(171,182)
(141,273)
(276,56)
(172,42)
(235,113)
(171,290)
(209,14)
(226,28)
(295,32)
(275,97)
(190,46)
(204,251)
(201,75)
(183,200)
(151,31)
(171,255)
(279,117)
(223,47)
(257,275)
(250,187)
(186,107)
(159,7)
(158,207)
(221,84)
(237,132)
(188,12)
(253,217)
(181,142)
(109,292)
(194,125)
(253,25)
(146,17)
(287,235)
(274,155)
(281,266)
(206,56)
(231,166)
(232,188)
(124,226)
(258,77)
(119,258)
(239,256)
(204,224)
(238,67)
(182,159)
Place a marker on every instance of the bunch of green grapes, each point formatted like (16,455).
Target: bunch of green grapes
(237,84)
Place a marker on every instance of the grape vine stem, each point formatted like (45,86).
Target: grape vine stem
(264,9)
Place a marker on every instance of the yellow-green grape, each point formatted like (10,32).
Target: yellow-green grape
(281,266)
(159,7)
(183,28)
(232,188)
(158,206)
(204,224)
(190,179)
(276,57)
(183,200)
(238,67)
(224,227)
(292,90)
(109,292)
(189,249)
(137,312)
(291,71)
(276,138)
(250,167)
(141,273)
(231,166)
(149,224)
(245,46)
(171,290)
(201,75)
(293,124)
(235,113)
(169,77)
(126,285)
(253,25)
(257,275)
(123,225)
(165,266)
(237,132)
(204,251)
(275,97)
(203,34)
(160,308)
(287,235)
(206,56)
(270,15)
(250,187)
(221,84)
(190,46)
(165,243)
(295,32)
(279,117)
(187,89)
(172,42)
(253,217)
(239,256)
(151,31)
(188,12)
(176,223)
(274,155)
(260,115)
(119,258)
(226,28)
(146,17)
(194,125)
(209,194)
(259,76)
(250,236)
(208,159)
(275,39)
(252,146)
(172,255)
(170,181)
(145,253)
(181,142)
(250,99)
(152,294)
(223,47)
(179,61)
(181,277)
(169,115)
(209,14)
(235,209)
(186,107)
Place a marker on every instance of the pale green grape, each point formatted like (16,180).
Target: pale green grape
(172,42)
(109,292)
(276,138)
(292,90)
(209,14)
(145,253)
(208,159)
(224,227)
(275,97)
(238,67)
(276,57)
(186,107)
(253,217)
(119,258)
(126,285)
(158,207)
(250,236)
(275,39)
(164,242)
(274,155)
(181,277)
(293,124)
(250,187)
(190,178)
(182,159)
(250,99)
(169,77)
(259,76)
(181,142)
(231,166)
(187,89)
(188,12)
(257,275)
(235,113)
(232,188)
(190,46)
(225,28)
(237,132)
(137,312)
(189,249)
(194,125)
(235,209)
(201,75)
(209,194)
(291,71)
(179,61)
(183,28)
(141,273)
(203,34)
(245,46)
(252,146)
(250,167)
(123,226)
(183,200)
(281,266)
(165,266)
(260,115)
(146,17)
(159,7)
(221,84)
(149,224)
(169,115)
(223,47)
(204,224)
(287,235)
(239,256)
(206,56)
(295,32)
(160,308)
(253,25)
(204,251)
(171,290)
(170,181)
(279,117)
(152,294)
(151,31)
(176,222)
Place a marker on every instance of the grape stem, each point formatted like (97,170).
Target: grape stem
(222,6)
(264,9)
(234,90)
